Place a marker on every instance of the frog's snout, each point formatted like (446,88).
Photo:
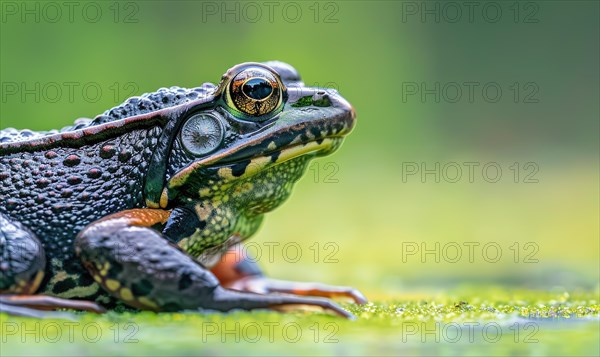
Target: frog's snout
(349,113)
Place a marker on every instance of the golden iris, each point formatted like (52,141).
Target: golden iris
(255,92)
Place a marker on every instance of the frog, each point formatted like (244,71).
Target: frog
(148,204)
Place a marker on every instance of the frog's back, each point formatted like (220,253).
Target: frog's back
(146,103)
(55,186)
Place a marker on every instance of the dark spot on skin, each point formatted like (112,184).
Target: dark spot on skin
(319,141)
(275,156)
(185,281)
(142,288)
(51,155)
(124,156)
(66,193)
(139,146)
(73,180)
(3,175)
(72,160)
(42,182)
(115,269)
(11,203)
(85,280)
(58,208)
(107,151)
(239,168)
(315,131)
(63,285)
(94,173)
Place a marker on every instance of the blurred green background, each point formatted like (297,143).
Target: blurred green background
(386,58)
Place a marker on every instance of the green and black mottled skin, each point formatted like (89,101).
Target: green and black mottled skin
(123,207)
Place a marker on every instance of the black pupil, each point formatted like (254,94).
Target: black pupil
(257,88)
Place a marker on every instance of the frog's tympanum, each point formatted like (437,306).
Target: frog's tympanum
(148,203)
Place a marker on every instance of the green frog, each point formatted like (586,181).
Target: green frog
(148,203)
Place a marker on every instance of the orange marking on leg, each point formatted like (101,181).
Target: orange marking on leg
(141,217)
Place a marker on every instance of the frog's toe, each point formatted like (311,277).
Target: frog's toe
(263,285)
(322,303)
(37,305)
(278,302)
(29,312)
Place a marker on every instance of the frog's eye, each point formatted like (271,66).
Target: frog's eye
(256,93)
(202,133)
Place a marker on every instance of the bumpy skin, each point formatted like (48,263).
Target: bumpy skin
(56,191)
(122,206)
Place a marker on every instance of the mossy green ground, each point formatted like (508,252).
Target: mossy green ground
(467,321)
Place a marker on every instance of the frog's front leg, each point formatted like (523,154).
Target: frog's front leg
(237,271)
(22,263)
(137,264)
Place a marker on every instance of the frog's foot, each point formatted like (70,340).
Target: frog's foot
(236,271)
(136,264)
(38,305)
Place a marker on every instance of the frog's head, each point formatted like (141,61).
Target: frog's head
(249,143)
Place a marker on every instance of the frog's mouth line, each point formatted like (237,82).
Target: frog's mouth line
(251,165)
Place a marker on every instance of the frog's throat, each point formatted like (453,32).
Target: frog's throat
(259,163)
